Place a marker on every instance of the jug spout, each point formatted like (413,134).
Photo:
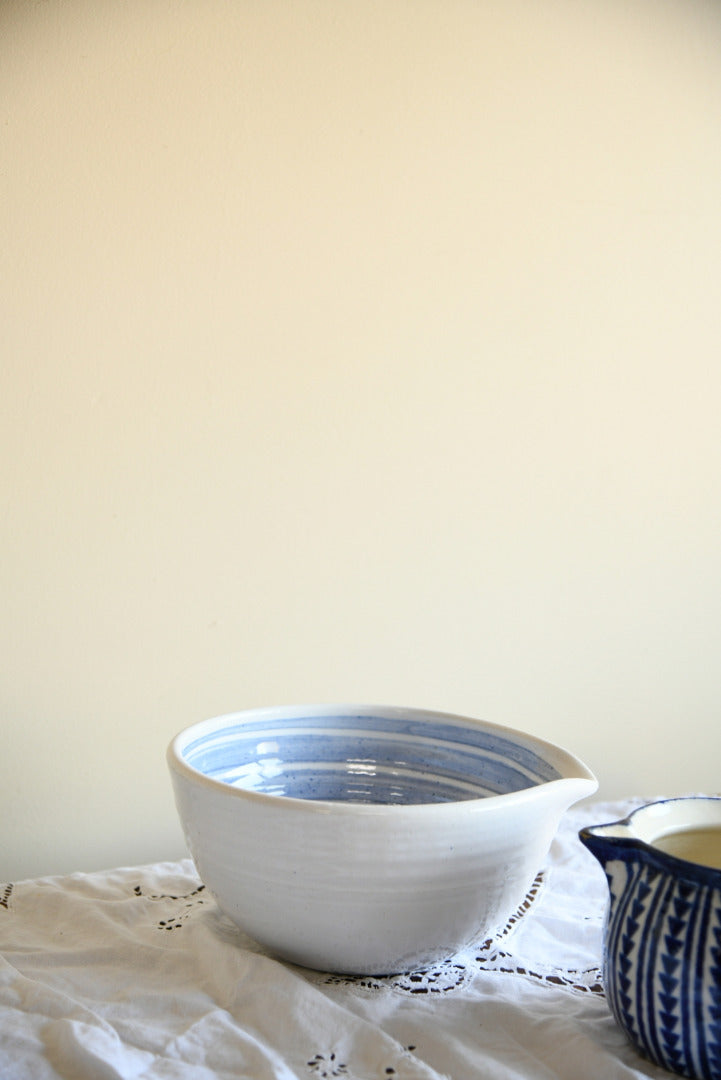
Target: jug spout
(610,842)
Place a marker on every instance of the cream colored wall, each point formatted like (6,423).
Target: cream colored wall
(362,351)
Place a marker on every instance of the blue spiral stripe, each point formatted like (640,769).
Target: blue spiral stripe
(369,758)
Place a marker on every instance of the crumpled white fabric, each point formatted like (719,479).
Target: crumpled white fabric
(134,974)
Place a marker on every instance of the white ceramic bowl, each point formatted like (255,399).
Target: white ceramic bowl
(368,839)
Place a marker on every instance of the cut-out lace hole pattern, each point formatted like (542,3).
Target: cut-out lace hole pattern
(185,905)
(578,980)
(326,1067)
(447,975)
(460,970)
(5,894)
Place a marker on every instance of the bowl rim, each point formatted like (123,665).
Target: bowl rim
(575,776)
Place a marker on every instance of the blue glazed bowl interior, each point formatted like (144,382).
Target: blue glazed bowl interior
(367,758)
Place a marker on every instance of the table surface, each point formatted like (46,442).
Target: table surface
(134,974)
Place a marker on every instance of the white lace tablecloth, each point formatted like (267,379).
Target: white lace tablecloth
(135,974)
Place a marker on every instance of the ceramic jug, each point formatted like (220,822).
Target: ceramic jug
(662,935)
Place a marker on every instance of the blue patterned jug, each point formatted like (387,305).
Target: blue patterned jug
(662,937)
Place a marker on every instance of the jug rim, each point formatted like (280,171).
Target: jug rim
(609,839)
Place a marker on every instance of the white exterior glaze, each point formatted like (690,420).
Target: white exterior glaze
(369,889)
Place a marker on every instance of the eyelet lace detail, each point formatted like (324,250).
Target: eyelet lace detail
(491,955)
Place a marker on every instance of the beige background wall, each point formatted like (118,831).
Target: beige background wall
(353,351)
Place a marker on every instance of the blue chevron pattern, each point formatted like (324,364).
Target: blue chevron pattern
(667,988)
(714,1004)
(662,946)
(635,886)
(672,1032)
(663,986)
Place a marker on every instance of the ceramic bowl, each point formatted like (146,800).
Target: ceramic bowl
(662,938)
(365,839)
